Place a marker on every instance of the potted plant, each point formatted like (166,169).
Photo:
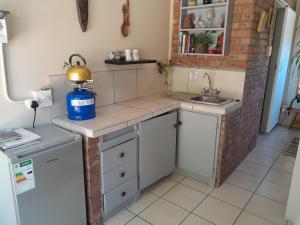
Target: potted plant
(164,68)
(201,42)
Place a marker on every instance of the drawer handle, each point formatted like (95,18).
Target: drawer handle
(122,154)
(122,174)
(123,193)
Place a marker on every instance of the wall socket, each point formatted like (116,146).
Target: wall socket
(43,97)
(193,74)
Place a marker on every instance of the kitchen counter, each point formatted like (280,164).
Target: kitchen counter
(117,116)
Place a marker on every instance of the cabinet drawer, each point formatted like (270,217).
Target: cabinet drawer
(119,195)
(118,155)
(118,175)
(117,137)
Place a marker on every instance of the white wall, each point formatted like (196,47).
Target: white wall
(42,34)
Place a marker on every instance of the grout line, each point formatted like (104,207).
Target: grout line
(191,212)
(195,188)
(226,182)
(271,199)
(244,209)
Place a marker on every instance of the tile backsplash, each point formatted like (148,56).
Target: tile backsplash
(110,87)
(190,80)
(118,86)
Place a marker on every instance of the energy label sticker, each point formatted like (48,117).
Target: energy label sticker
(24,176)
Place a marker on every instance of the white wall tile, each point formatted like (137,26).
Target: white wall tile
(195,86)
(179,79)
(103,86)
(159,83)
(59,89)
(231,83)
(125,83)
(145,82)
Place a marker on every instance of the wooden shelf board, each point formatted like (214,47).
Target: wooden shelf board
(204,29)
(123,62)
(200,54)
(204,6)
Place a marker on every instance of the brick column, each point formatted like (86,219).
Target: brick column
(91,156)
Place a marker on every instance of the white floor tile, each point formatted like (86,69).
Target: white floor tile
(266,208)
(138,221)
(267,151)
(249,219)
(146,200)
(278,177)
(218,212)
(184,196)
(162,187)
(284,166)
(272,143)
(121,218)
(261,159)
(197,185)
(195,220)
(274,191)
(164,213)
(253,169)
(232,194)
(176,177)
(243,180)
(287,158)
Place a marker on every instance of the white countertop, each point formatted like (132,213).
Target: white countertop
(117,116)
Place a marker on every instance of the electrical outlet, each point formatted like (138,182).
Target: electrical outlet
(193,74)
(43,97)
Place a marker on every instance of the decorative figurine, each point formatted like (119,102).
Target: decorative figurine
(199,24)
(83,13)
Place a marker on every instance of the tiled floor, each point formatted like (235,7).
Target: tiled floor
(255,194)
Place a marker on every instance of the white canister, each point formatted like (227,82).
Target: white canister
(128,55)
(136,54)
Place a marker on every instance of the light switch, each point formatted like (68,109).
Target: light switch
(193,74)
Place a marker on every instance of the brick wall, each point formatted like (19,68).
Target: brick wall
(240,37)
(247,49)
(91,155)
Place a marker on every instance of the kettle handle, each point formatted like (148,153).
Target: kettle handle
(79,56)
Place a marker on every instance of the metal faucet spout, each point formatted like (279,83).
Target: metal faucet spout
(209,80)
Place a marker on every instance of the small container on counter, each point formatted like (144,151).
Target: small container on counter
(128,55)
(135,54)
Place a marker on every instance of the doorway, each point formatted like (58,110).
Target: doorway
(278,68)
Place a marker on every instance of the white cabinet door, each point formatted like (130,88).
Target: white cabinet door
(197,145)
(157,148)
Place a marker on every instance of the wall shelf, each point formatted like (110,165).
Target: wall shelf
(123,62)
(220,10)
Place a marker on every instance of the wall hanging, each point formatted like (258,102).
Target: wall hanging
(126,23)
(83,13)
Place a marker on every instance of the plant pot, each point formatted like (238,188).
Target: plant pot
(192,2)
(199,48)
(205,2)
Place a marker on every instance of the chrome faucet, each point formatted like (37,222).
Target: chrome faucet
(209,80)
(210,89)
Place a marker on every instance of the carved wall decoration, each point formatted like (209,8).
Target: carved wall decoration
(126,22)
(83,13)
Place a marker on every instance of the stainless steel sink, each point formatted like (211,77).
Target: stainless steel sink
(209,100)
